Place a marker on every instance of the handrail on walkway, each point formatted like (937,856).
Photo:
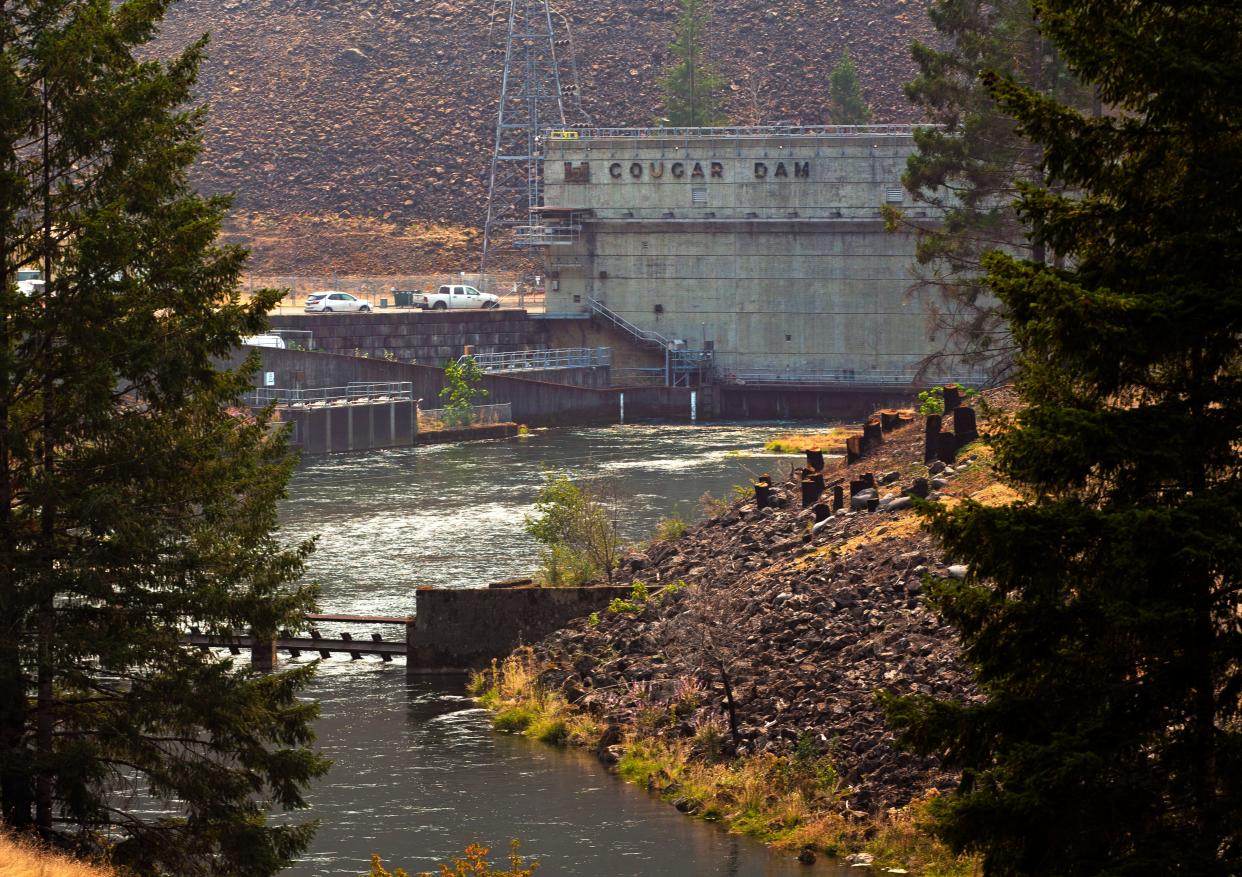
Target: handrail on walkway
(392,391)
(527,360)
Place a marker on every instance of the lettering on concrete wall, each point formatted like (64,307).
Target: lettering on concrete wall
(801,169)
(697,170)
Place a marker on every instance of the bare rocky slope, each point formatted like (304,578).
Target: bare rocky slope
(356,134)
(808,625)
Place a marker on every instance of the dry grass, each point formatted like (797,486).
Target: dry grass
(789,801)
(830,442)
(19,858)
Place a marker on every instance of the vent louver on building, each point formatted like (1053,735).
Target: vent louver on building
(894,194)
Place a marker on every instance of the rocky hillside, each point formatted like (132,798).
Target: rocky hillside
(357,133)
(808,623)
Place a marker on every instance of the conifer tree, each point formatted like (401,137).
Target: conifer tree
(135,498)
(968,166)
(1103,614)
(691,85)
(846,104)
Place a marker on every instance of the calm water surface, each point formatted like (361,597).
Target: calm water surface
(418,772)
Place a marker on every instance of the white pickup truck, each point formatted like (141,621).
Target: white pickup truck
(456,296)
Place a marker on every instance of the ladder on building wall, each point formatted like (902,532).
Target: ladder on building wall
(679,363)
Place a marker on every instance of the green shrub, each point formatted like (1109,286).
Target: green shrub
(462,380)
(514,720)
(672,527)
(552,730)
(576,522)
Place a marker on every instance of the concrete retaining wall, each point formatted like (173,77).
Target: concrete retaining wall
(535,403)
(430,337)
(467,627)
(736,402)
(353,427)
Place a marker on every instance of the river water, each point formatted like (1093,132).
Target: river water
(418,773)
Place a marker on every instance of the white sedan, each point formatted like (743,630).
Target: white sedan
(327,302)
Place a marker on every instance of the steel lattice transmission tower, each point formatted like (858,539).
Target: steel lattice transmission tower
(533,98)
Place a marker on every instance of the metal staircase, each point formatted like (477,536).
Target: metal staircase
(681,365)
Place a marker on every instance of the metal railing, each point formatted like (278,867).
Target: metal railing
(546,235)
(295,339)
(647,336)
(528,360)
(843,376)
(430,419)
(638,377)
(560,135)
(399,391)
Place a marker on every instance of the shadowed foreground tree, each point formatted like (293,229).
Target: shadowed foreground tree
(969,166)
(1103,616)
(135,498)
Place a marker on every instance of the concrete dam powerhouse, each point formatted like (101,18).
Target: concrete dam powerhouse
(765,248)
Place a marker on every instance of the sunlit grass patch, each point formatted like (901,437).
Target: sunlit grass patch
(830,442)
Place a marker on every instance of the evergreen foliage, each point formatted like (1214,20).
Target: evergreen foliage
(846,104)
(135,499)
(969,166)
(691,86)
(1103,616)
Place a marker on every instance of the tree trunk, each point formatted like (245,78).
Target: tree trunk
(46,622)
(730,705)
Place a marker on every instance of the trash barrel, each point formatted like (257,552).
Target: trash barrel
(383,302)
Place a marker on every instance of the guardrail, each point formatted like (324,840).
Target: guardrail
(400,391)
(295,339)
(527,360)
(563,134)
(645,335)
(638,377)
(842,376)
(480,415)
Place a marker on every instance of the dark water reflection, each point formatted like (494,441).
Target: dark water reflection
(418,772)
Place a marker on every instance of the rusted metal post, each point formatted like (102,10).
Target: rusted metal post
(410,631)
(964,426)
(815,459)
(853,449)
(811,489)
(822,511)
(931,442)
(873,434)
(952,397)
(946,448)
(763,494)
(838,497)
(375,637)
